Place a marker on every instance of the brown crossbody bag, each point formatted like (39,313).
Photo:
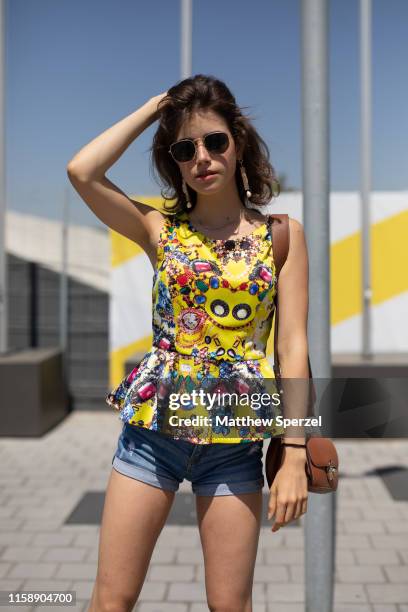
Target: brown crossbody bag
(322,462)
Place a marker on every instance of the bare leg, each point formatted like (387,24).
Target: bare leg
(133,516)
(229,530)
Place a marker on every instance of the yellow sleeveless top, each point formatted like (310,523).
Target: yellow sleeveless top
(213,305)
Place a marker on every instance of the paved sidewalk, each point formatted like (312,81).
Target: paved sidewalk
(42,481)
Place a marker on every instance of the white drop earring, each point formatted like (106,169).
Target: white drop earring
(184,187)
(244,178)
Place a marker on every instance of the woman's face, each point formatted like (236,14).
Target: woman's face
(222,164)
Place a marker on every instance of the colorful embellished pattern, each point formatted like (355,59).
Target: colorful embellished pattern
(213,303)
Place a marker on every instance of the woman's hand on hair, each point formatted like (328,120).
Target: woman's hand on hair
(155,101)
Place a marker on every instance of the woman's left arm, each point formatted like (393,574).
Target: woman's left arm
(292,336)
(289,490)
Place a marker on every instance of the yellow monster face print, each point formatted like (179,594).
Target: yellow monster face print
(215,309)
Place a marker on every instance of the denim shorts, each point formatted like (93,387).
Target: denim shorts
(164,462)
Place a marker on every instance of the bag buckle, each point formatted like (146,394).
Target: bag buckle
(331,470)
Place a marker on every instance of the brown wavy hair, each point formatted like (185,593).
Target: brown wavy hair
(209,93)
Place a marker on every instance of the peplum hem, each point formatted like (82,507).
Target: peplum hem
(142,397)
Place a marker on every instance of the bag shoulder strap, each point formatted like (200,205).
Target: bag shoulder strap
(280,239)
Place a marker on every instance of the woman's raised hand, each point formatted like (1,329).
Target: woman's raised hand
(155,101)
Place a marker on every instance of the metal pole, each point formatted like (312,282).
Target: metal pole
(64,283)
(365,60)
(186,37)
(3,203)
(319,518)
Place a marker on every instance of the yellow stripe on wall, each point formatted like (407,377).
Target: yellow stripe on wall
(389,261)
(390,257)
(122,249)
(345,278)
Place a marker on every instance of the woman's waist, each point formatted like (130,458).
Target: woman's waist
(201,354)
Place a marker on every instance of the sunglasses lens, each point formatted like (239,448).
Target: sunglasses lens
(217,142)
(183,151)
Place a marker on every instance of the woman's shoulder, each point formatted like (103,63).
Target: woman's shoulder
(297,241)
(295,226)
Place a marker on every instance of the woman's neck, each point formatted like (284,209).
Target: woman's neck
(220,207)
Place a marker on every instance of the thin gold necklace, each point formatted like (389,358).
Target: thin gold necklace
(221,226)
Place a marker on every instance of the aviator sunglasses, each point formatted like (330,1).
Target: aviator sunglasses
(185,150)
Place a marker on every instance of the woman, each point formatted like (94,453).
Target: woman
(211,318)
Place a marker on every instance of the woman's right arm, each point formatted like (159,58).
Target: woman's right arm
(86,171)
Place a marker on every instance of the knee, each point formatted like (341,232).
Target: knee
(104,600)
(230,606)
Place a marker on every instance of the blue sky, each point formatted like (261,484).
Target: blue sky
(76,67)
